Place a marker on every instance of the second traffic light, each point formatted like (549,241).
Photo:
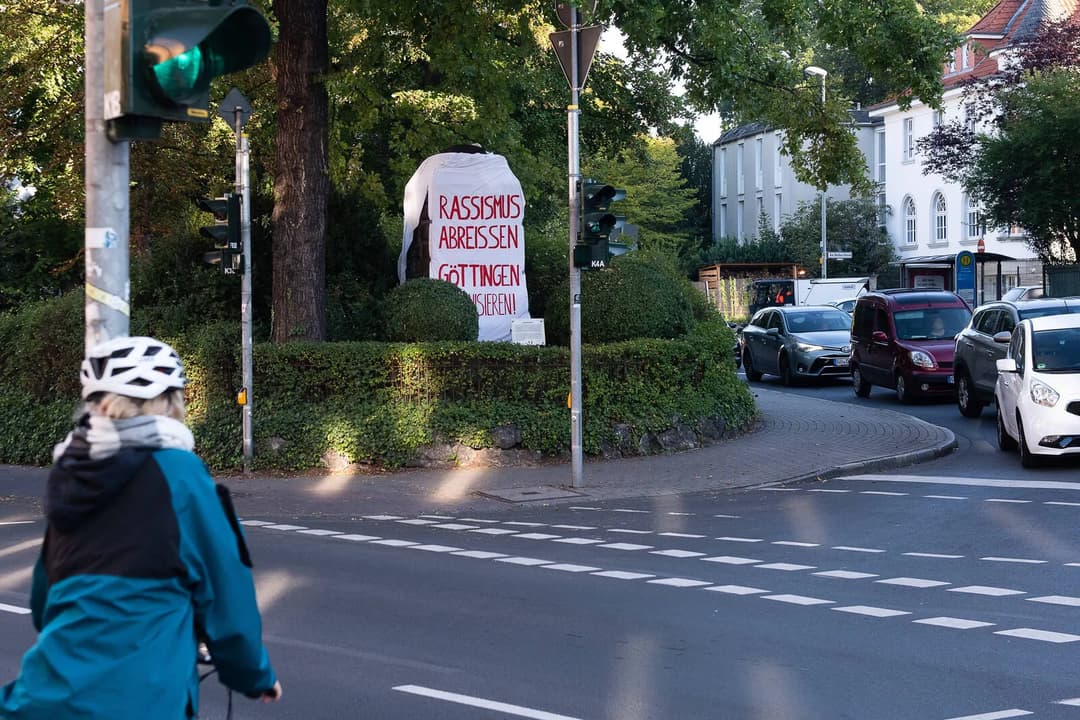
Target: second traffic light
(597,224)
(225,232)
(161,55)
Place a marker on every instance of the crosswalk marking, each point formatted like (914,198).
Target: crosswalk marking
(954,623)
(870,610)
(1044,635)
(797,599)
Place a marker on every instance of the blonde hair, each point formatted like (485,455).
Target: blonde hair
(117,407)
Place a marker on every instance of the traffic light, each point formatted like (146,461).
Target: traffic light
(225,232)
(161,55)
(597,224)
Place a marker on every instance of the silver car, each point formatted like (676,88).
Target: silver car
(796,343)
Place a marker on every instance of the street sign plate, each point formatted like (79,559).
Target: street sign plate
(840,255)
(587,40)
(234,103)
(565,12)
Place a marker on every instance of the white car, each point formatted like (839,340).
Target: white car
(1038,389)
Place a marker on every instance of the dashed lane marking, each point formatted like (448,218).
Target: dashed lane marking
(517,523)
(679,582)
(880,492)
(356,538)
(939,556)
(623,575)
(284,527)
(787,567)
(870,610)
(505,708)
(4,607)
(731,560)
(741,539)
(1013,560)
(680,535)
(912,582)
(624,510)
(797,599)
(437,517)
(494,531)
(578,541)
(435,548)
(985,590)
(418,521)
(528,562)
(1000,715)
(730,517)
(946,497)
(1006,500)
(570,567)
(1056,600)
(394,543)
(736,589)
(574,527)
(319,533)
(537,536)
(479,554)
(631,532)
(851,548)
(823,490)
(479,520)
(846,574)
(678,553)
(1043,635)
(794,543)
(953,623)
(455,526)
(625,546)
(381,517)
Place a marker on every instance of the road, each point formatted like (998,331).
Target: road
(943,591)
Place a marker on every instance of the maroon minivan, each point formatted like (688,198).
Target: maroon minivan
(904,339)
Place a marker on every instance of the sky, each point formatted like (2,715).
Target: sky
(707,127)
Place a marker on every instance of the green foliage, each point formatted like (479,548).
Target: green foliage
(546,264)
(634,298)
(39,251)
(425,310)
(1022,171)
(43,347)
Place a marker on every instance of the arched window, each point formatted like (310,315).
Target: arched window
(909,221)
(941,219)
(972,218)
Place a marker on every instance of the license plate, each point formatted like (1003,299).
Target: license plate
(842,362)
(949,380)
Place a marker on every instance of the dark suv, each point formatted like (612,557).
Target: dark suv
(976,353)
(904,339)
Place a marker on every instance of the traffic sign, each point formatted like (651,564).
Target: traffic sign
(587,40)
(839,254)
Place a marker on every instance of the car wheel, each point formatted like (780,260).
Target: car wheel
(751,374)
(786,375)
(862,388)
(965,396)
(1005,440)
(1027,459)
(903,393)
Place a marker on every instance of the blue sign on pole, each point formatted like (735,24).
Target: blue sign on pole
(965,276)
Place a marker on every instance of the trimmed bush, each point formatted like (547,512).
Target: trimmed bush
(632,299)
(427,310)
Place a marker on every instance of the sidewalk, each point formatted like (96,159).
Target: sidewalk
(798,438)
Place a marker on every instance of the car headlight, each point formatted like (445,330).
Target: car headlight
(1043,394)
(923,360)
(807,347)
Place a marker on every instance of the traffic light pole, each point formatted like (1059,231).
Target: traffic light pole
(107,310)
(572,115)
(243,190)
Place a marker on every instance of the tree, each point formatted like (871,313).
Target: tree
(1016,149)
(851,225)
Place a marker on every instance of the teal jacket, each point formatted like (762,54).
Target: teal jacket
(142,556)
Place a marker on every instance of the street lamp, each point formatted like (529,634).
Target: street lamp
(821,73)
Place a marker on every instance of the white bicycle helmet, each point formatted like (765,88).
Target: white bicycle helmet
(137,367)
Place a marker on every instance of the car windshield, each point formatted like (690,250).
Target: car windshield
(930,324)
(1056,350)
(1044,311)
(824,321)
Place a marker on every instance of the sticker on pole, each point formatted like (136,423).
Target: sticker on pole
(102,238)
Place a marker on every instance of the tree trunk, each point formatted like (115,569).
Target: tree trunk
(301,180)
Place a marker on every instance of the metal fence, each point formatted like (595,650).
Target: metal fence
(1061,280)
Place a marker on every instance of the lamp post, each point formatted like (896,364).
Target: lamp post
(821,73)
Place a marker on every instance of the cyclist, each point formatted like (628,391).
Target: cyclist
(142,556)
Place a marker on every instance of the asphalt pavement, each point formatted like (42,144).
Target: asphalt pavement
(795,438)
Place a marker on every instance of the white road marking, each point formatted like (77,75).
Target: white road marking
(912,582)
(984,590)
(1057,502)
(789,567)
(1006,500)
(625,546)
(479,554)
(624,510)
(1000,715)
(631,532)
(778,489)
(4,607)
(680,535)
(870,610)
(437,517)
(731,560)
(879,492)
(946,497)
(572,507)
(736,589)
(356,538)
(417,521)
(456,526)
(537,536)
(573,527)
(794,543)
(502,707)
(494,531)
(1072,564)
(850,548)
(381,517)
(933,555)
(741,539)
(1013,560)
(828,491)
(730,517)
(622,575)
(578,541)
(524,524)
(977,482)
(570,567)
(797,599)
(677,553)
(846,574)
(319,532)
(394,543)
(1057,600)
(1044,635)
(253,523)
(524,561)
(435,548)
(681,514)
(284,527)
(679,582)
(1075,702)
(478,520)
(953,623)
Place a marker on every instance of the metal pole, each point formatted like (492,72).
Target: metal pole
(243,190)
(824,246)
(107,310)
(572,115)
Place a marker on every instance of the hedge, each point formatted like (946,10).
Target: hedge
(380,403)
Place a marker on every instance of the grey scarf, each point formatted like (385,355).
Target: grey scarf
(104,437)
